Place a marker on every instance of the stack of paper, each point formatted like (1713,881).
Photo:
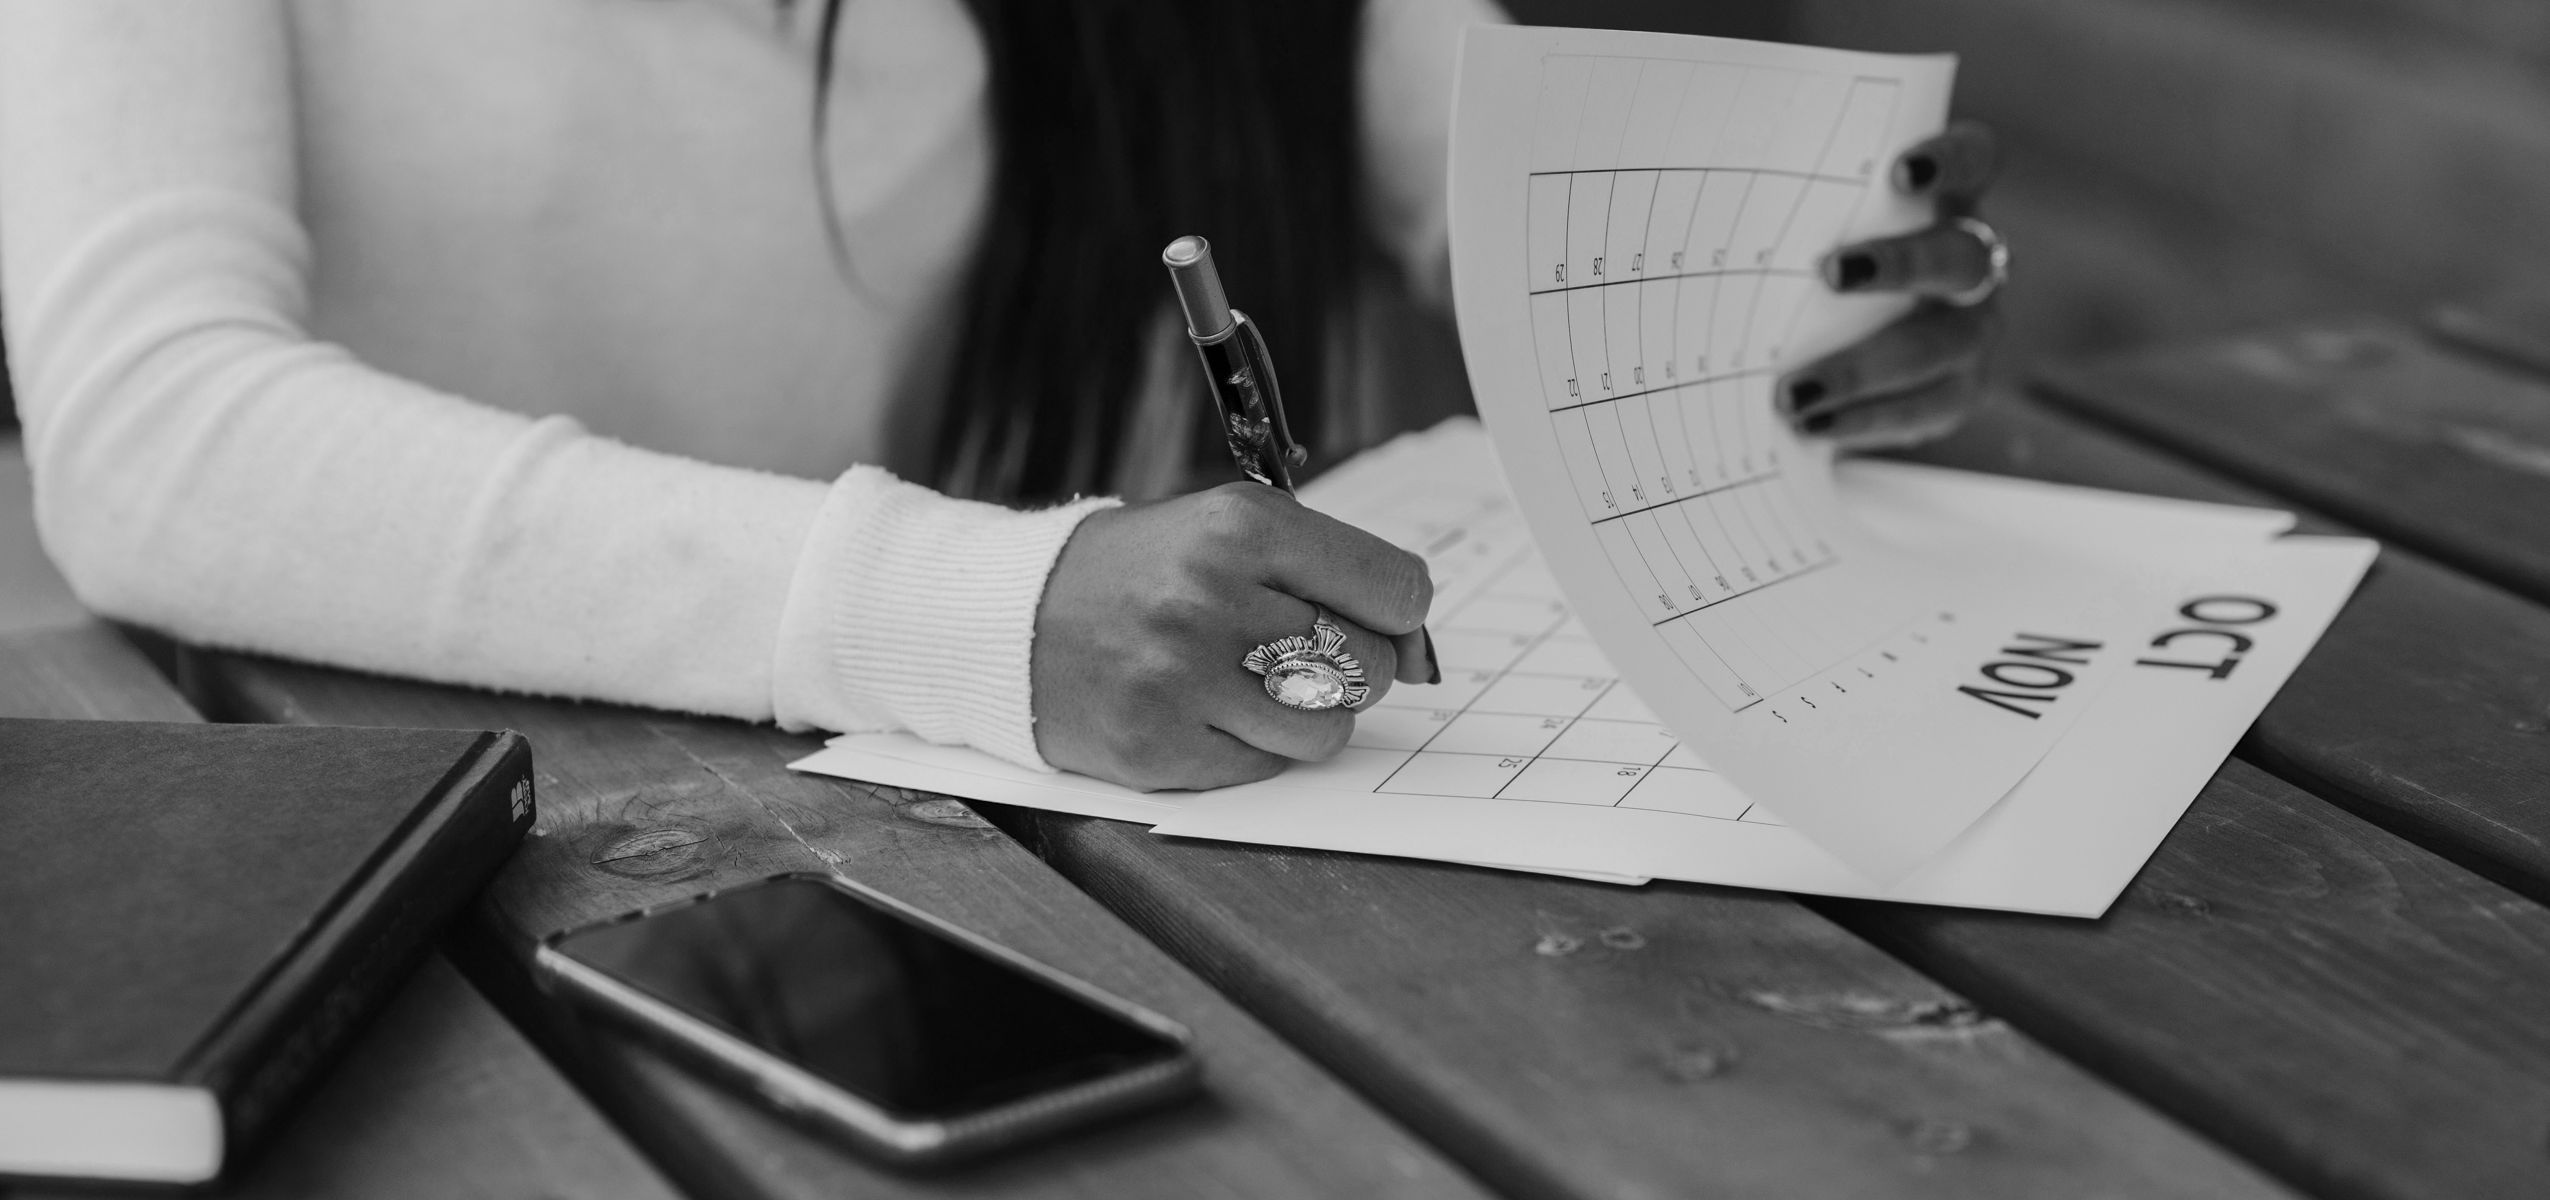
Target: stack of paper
(1532,753)
(1883,681)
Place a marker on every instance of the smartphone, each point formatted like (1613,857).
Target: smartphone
(907,1038)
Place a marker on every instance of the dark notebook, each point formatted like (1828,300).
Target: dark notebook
(193,918)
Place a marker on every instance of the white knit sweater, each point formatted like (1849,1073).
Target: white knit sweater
(252,250)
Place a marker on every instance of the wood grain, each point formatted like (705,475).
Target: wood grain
(2365,421)
(639,807)
(2328,998)
(439,1098)
(2421,706)
(1569,1039)
(2355,1013)
(32,593)
(479,1113)
(2426,708)
(85,671)
(2513,329)
(2482,31)
(2409,167)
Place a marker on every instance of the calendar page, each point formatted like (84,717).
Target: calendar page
(1676,642)
(1534,750)
(1534,754)
(1636,225)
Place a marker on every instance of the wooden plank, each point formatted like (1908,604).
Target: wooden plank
(32,593)
(83,672)
(480,1113)
(2107,267)
(2347,1008)
(2439,733)
(2363,420)
(2426,708)
(440,1097)
(2483,31)
(1569,1039)
(641,807)
(2355,1013)
(1322,912)
(2310,132)
(2514,329)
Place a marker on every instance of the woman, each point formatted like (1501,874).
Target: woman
(290,279)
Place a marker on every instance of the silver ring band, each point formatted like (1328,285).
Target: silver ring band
(1996,253)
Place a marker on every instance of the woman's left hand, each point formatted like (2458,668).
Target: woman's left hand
(1916,379)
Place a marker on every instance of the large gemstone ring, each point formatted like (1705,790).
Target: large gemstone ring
(1310,673)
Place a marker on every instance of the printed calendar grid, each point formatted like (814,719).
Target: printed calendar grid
(1673,455)
(1531,711)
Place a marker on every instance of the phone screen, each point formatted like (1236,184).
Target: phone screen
(868,999)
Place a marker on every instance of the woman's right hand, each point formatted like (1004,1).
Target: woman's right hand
(1147,614)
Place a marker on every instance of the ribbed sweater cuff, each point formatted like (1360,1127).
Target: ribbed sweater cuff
(911,610)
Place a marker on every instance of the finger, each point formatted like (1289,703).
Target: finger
(1216,759)
(1153,747)
(1943,260)
(1955,166)
(1892,422)
(1417,661)
(1935,342)
(1377,655)
(1250,715)
(1329,563)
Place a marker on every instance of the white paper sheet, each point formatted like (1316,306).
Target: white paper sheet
(2064,841)
(1531,754)
(901,760)
(1636,224)
(1882,656)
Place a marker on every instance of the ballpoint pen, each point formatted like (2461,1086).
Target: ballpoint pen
(1237,366)
(1242,376)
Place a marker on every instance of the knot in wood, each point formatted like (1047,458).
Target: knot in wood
(1932,1136)
(1890,1017)
(1692,1062)
(1622,937)
(944,810)
(2356,348)
(1555,945)
(651,853)
(2178,904)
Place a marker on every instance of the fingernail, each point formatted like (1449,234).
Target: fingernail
(1817,423)
(1850,270)
(1803,393)
(1915,173)
(1434,664)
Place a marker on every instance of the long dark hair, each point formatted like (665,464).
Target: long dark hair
(1120,124)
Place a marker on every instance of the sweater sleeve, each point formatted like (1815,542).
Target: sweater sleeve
(1404,94)
(203,466)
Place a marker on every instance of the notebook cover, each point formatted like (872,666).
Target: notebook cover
(223,904)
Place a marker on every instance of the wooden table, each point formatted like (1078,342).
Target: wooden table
(441,1096)
(2330,980)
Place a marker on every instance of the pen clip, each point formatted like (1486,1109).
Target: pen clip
(1262,366)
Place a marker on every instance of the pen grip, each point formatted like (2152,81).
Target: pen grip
(1250,403)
